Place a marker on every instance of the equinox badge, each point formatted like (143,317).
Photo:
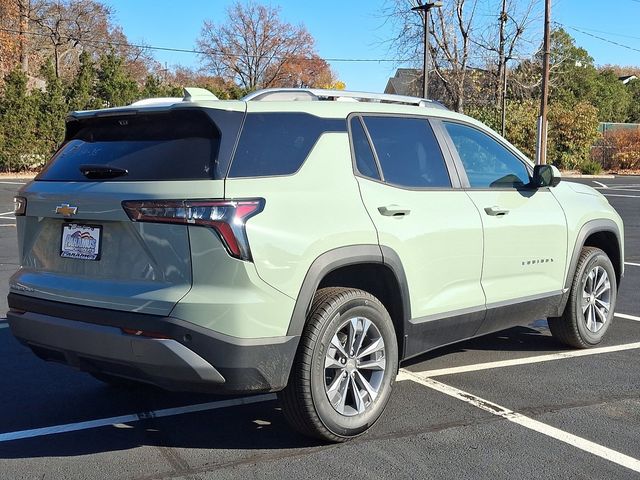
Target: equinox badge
(65,210)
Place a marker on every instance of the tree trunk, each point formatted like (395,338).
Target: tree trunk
(24,7)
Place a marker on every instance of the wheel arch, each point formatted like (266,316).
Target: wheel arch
(603,234)
(377,270)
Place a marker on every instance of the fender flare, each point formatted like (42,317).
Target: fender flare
(342,257)
(589,228)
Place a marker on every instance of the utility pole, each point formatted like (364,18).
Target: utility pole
(541,152)
(425,8)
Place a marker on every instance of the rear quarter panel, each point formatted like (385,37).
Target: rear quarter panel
(306,214)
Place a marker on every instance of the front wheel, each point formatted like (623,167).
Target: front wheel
(345,366)
(590,308)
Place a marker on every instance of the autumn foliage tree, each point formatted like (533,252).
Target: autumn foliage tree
(256,49)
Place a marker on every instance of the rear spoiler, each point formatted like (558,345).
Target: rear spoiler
(148,105)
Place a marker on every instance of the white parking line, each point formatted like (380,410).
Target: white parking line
(13,183)
(6,213)
(632,264)
(134,417)
(528,360)
(613,189)
(527,422)
(601,184)
(626,196)
(7,224)
(626,317)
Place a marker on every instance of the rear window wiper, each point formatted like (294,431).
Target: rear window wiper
(102,171)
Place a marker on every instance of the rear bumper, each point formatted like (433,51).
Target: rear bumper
(191,358)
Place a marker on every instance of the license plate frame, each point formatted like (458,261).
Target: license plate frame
(81,241)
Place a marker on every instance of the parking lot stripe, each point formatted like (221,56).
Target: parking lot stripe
(134,417)
(527,422)
(6,213)
(600,183)
(613,189)
(627,317)
(13,183)
(528,360)
(632,264)
(615,195)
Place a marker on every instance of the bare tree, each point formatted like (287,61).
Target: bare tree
(64,27)
(503,40)
(254,47)
(452,29)
(471,40)
(36,30)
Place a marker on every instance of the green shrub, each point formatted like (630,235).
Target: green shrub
(590,167)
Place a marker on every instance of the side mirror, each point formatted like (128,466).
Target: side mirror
(545,176)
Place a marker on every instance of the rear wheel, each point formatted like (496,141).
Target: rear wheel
(345,366)
(590,308)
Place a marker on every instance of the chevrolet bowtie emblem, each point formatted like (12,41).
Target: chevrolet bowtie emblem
(65,210)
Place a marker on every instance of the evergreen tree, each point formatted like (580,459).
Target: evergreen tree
(152,87)
(81,92)
(611,98)
(633,88)
(17,124)
(114,86)
(51,112)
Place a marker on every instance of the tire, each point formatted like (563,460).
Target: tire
(322,370)
(585,319)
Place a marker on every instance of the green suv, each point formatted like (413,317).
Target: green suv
(298,241)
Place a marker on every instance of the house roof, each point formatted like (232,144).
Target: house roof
(627,78)
(407,81)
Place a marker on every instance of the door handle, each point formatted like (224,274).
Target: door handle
(394,211)
(496,211)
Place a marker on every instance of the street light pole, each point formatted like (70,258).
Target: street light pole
(425,8)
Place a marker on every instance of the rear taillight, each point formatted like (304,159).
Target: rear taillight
(226,217)
(19,206)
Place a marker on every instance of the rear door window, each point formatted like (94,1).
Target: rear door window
(278,143)
(176,145)
(408,152)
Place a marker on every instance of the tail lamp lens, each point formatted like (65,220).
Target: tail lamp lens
(19,206)
(226,218)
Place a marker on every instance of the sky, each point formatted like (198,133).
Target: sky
(356,29)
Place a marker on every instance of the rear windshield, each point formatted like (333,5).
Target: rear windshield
(178,145)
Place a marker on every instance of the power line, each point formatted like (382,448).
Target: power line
(203,52)
(610,33)
(272,57)
(613,42)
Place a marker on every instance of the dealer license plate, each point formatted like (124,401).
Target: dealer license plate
(81,241)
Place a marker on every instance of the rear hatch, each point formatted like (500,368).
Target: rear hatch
(77,242)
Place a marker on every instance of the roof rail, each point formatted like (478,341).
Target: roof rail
(314,94)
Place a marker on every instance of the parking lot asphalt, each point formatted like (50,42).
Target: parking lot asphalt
(515,404)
